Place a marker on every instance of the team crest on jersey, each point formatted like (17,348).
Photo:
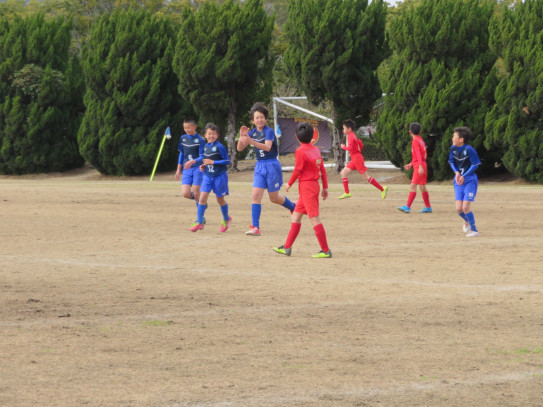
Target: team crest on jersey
(318,161)
(214,148)
(465,152)
(196,141)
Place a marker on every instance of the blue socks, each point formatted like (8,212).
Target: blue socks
(200,213)
(471,219)
(256,209)
(224,210)
(463,216)
(289,204)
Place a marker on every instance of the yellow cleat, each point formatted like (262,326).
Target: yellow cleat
(345,196)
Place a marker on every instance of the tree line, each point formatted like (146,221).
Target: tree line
(99,81)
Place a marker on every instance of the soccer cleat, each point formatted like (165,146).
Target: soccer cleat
(253,231)
(345,195)
(196,226)
(466,227)
(323,255)
(473,233)
(224,224)
(384,192)
(282,250)
(426,209)
(404,209)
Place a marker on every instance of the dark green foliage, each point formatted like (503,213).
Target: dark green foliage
(223,63)
(440,75)
(515,124)
(41,92)
(334,49)
(131,94)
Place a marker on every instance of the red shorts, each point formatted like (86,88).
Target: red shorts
(357,163)
(417,178)
(308,203)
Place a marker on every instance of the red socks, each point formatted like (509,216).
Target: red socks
(345,184)
(411,198)
(321,237)
(293,234)
(374,182)
(426,199)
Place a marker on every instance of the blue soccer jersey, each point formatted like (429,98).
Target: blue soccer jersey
(261,137)
(190,148)
(217,152)
(462,158)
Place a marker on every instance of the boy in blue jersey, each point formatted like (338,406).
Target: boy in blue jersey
(213,163)
(464,161)
(268,174)
(191,146)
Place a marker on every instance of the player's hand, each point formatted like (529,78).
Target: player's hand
(177,175)
(459,179)
(202,167)
(207,161)
(408,166)
(287,187)
(324,194)
(244,131)
(421,170)
(189,164)
(343,146)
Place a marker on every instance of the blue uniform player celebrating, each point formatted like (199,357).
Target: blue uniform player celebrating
(268,174)
(191,146)
(213,163)
(464,161)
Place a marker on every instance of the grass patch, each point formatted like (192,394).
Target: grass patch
(157,323)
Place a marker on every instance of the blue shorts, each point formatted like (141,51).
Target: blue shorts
(268,175)
(192,176)
(218,184)
(466,191)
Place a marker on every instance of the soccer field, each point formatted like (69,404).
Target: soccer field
(108,300)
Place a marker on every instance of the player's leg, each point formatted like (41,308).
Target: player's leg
(410,198)
(470,191)
(345,180)
(295,226)
(256,210)
(202,205)
(426,198)
(311,195)
(365,176)
(187,180)
(274,182)
(197,179)
(220,187)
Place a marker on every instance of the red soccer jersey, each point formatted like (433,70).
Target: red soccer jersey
(309,165)
(418,150)
(354,144)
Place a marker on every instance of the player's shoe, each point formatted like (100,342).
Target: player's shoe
(225,224)
(384,192)
(323,255)
(466,227)
(282,250)
(404,209)
(345,196)
(196,226)
(473,233)
(426,209)
(253,231)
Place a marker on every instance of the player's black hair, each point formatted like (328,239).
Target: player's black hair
(212,126)
(349,123)
(304,132)
(190,120)
(258,107)
(463,132)
(414,128)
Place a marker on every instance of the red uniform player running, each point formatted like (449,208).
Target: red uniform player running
(308,168)
(354,147)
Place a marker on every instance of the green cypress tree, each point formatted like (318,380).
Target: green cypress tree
(223,62)
(515,124)
(334,49)
(131,93)
(40,96)
(441,75)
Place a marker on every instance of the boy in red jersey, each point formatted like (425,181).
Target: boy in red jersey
(308,168)
(354,147)
(420,171)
